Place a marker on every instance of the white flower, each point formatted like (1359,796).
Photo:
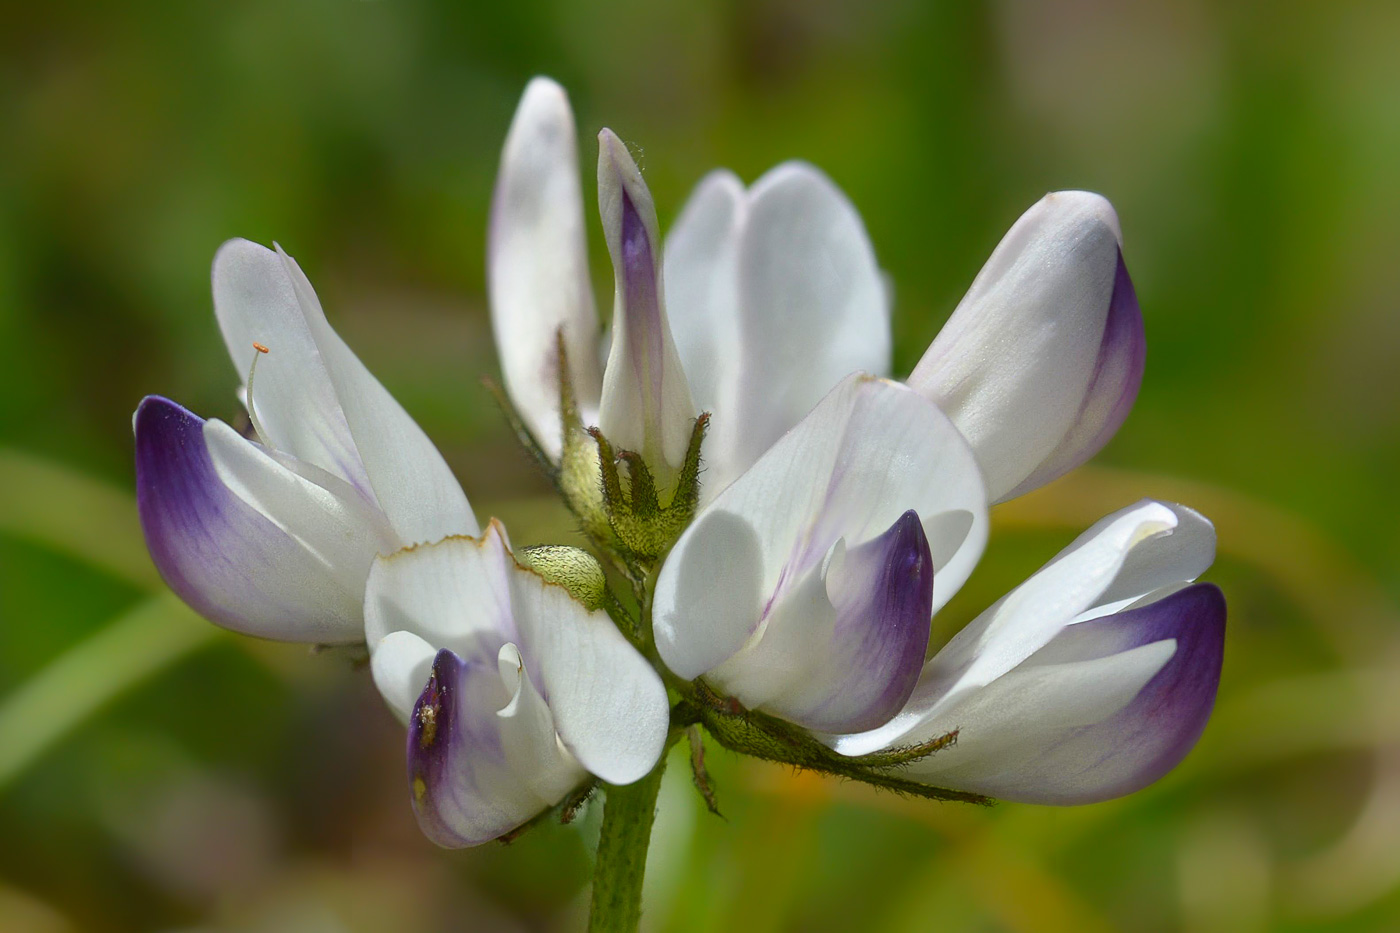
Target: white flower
(275,536)
(342,523)
(839,529)
(771,295)
(833,550)
(526,689)
(1089,681)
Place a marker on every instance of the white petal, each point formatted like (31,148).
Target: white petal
(453,593)
(400,663)
(483,756)
(538,264)
(646,404)
(702,298)
(1025,620)
(700,625)
(411,481)
(530,732)
(609,705)
(338,527)
(295,401)
(1120,559)
(812,310)
(1028,365)
(294,575)
(867,453)
(1179,557)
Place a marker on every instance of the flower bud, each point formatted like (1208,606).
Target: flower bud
(646,404)
(573,568)
(1041,362)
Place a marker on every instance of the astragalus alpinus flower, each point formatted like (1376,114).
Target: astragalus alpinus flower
(842,510)
(775,522)
(522,686)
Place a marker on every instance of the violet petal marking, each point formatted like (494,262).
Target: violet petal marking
(219,554)
(1111,391)
(641,301)
(883,596)
(1106,708)
(1015,743)
(645,405)
(463,788)
(843,647)
(438,794)
(1152,734)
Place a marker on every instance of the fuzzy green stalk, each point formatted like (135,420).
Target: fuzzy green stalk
(621,864)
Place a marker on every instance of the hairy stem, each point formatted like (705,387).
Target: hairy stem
(622,854)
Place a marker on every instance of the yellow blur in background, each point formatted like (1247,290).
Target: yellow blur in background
(157,774)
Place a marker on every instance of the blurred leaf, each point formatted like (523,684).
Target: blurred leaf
(85,518)
(132,647)
(23,914)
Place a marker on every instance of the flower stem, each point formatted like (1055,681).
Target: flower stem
(622,853)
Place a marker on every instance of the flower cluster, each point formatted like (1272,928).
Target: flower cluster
(774,521)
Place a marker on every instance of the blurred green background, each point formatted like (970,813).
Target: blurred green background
(158,775)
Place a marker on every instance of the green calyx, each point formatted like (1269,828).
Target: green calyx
(632,524)
(579,476)
(641,522)
(573,568)
(634,517)
(763,736)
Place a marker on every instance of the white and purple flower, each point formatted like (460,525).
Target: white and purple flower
(341,523)
(840,509)
(843,510)
(768,297)
(275,536)
(1090,680)
(527,690)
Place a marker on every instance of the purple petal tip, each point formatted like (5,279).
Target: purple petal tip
(223,557)
(1112,389)
(1179,700)
(177,492)
(1152,734)
(883,595)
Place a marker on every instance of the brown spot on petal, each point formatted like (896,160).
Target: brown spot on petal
(427,719)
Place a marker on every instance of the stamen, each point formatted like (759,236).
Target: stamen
(248,394)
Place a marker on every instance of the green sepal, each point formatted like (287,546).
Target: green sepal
(573,568)
(699,774)
(906,754)
(565,811)
(518,428)
(641,524)
(578,476)
(760,735)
